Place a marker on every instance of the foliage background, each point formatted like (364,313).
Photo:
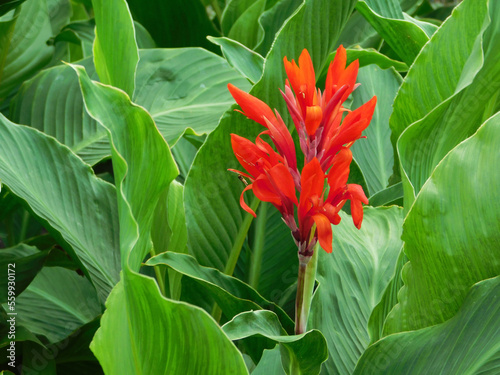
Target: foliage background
(125,227)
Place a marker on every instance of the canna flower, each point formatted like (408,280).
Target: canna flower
(271,180)
(318,116)
(325,136)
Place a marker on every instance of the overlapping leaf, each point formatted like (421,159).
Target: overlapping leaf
(78,208)
(231,294)
(142,162)
(182,89)
(427,141)
(451,234)
(468,343)
(352,281)
(375,155)
(306,351)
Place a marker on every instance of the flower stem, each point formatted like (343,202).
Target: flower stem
(305,288)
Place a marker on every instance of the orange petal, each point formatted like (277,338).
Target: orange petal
(284,181)
(243,204)
(357,213)
(308,76)
(253,108)
(311,180)
(324,229)
(264,190)
(314,115)
(335,71)
(339,171)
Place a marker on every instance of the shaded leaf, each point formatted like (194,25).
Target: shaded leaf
(308,350)
(450,233)
(352,281)
(79,208)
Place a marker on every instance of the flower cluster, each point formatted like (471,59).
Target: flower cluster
(326,132)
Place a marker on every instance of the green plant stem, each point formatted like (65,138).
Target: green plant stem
(258,246)
(236,250)
(305,288)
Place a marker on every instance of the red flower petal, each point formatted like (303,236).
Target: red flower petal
(324,229)
(253,108)
(243,204)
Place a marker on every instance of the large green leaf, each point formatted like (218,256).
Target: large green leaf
(215,219)
(51,102)
(115,48)
(185,89)
(375,155)
(405,35)
(452,233)
(142,163)
(435,76)
(246,61)
(426,142)
(365,56)
(231,294)
(175,23)
(182,89)
(352,281)
(78,208)
(22,263)
(271,21)
(245,28)
(308,350)
(468,343)
(63,301)
(273,265)
(24,50)
(270,363)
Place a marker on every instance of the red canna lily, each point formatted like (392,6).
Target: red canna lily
(325,136)
(271,179)
(318,116)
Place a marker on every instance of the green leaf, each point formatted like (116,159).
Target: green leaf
(365,56)
(468,343)
(24,45)
(185,89)
(175,23)
(245,28)
(450,233)
(115,48)
(63,300)
(352,281)
(184,336)
(308,349)
(391,195)
(22,263)
(270,363)
(375,155)
(271,21)
(359,33)
(433,78)
(72,355)
(246,61)
(78,208)
(277,269)
(232,295)
(215,219)
(177,240)
(52,102)
(405,35)
(426,142)
(9,5)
